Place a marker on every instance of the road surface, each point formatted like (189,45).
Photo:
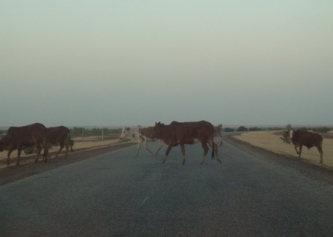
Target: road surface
(250,194)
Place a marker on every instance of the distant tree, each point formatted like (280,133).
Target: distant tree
(321,129)
(254,129)
(303,129)
(77,130)
(241,129)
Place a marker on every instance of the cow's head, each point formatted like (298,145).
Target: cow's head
(125,133)
(157,128)
(159,124)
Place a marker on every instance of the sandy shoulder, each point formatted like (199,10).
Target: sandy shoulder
(270,140)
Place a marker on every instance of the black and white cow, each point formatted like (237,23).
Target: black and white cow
(140,135)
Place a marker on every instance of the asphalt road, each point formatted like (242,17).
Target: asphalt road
(249,194)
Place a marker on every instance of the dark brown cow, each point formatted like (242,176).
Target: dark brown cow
(309,139)
(187,133)
(21,137)
(59,135)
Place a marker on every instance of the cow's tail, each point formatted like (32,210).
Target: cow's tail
(213,154)
(69,141)
(46,148)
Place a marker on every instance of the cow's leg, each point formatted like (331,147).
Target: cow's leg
(39,150)
(182,147)
(19,149)
(159,148)
(216,149)
(145,145)
(46,149)
(8,156)
(296,150)
(68,142)
(321,154)
(300,151)
(37,156)
(67,148)
(167,153)
(61,147)
(206,149)
(138,149)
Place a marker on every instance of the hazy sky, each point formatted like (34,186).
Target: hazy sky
(115,63)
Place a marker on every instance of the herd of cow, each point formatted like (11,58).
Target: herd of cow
(176,133)
(35,135)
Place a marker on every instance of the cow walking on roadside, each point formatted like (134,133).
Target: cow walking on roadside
(134,134)
(309,139)
(59,136)
(19,138)
(177,133)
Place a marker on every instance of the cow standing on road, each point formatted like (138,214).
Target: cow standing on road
(309,139)
(177,133)
(22,137)
(59,135)
(135,135)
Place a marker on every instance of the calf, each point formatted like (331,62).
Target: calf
(177,133)
(148,133)
(309,139)
(135,135)
(22,137)
(59,135)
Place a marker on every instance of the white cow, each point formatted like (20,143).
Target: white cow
(217,133)
(140,135)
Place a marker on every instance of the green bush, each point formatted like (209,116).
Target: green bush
(228,130)
(29,150)
(285,136)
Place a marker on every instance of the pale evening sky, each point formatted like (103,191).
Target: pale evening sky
(116,63)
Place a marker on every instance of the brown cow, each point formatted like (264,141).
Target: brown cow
(59,135)
(21,137)
(309,139)
(187,133)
